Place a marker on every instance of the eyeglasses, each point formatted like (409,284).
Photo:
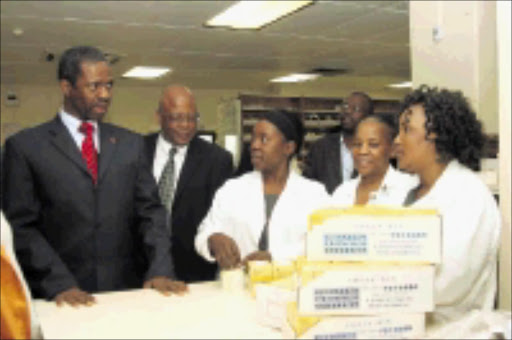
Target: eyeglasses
(346,107)
(180,117)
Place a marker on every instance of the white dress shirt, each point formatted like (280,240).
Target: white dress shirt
(392,191)
(162,155)
(347,161)
(466,279)
(73,125)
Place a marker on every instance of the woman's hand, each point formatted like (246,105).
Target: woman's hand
(225,251)
(257,256)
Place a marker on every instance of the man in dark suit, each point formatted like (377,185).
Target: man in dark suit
(80,197)
(329,159)
(200,168)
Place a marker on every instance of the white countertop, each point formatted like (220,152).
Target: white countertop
(205,312)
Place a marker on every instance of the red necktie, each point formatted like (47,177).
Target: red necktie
(89,151)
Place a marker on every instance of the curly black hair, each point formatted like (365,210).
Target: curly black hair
(450,116)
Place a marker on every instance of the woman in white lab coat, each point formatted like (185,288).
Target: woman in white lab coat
(377,183)
(263,214)
(440,139)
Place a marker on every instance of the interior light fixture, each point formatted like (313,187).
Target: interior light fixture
(146,72)
(255,14)
(295,78)
(401,85)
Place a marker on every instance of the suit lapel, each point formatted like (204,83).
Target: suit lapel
(335,154)
(192,160)
(150,145)
(108,146)
(61,138)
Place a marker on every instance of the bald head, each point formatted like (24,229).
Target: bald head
(175,95)
(357,106)
(177,114)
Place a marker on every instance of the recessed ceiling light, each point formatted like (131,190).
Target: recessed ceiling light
(146,72)
(404,84)
(18,31)
(295,78)
(255,14)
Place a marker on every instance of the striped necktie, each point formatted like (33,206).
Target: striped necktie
(166,182)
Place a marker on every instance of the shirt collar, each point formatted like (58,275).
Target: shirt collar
(166,145)
(386,183)
(74,123)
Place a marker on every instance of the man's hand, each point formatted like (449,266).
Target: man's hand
(166,286)
(75,297)
(257,256)
(224,249)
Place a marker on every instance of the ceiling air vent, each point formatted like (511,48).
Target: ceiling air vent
(329,71)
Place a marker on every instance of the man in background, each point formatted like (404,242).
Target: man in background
(329,159)
(188,170)
(81,200)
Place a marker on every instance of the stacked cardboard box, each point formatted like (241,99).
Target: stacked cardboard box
(368,273)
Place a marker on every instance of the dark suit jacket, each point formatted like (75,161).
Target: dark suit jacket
(68,232)
(206,168)
(323,162)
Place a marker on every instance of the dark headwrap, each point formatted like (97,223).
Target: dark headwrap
(290,125)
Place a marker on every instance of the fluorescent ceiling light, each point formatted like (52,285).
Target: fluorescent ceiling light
(401,85)
(295,78)
(146,72)
(255,14)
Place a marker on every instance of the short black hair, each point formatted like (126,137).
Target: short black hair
(450,116)
(388,119)
(71,60)
(368,109)
(289,123)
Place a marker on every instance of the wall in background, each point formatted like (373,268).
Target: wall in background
(133,107)
(504,17)
(462,56)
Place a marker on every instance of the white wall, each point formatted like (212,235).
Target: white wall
(464,58)
(503,11)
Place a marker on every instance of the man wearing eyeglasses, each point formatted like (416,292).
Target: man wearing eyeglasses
(188,171)
(329,159)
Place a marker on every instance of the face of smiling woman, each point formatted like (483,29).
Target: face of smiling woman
(372,148)
(414,150)
(269,149)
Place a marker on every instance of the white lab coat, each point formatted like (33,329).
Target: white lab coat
(238,210)
(392,191)
(466,278)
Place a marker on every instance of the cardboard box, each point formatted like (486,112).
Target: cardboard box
(272,298)
(374,234)
(266,272)
(386,326)
(358,289)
